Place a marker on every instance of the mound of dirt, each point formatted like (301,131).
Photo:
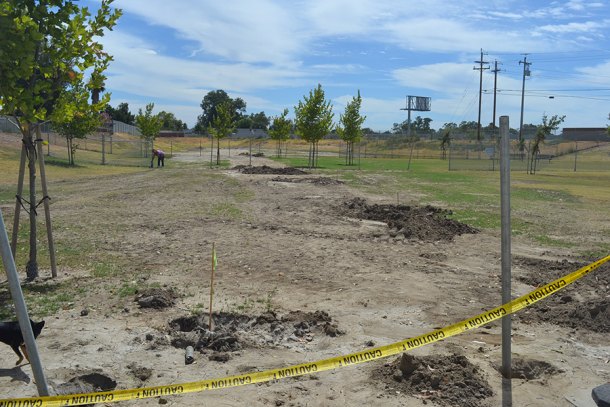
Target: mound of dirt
(449,380)
(87,383)
(529,369)
(245,169)
(253,155)
(425,223)
(583,305)
(156,298)
(316,180)
(234,331)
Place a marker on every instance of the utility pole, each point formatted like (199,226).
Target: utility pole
(526,72)
(480,69)
(495,71)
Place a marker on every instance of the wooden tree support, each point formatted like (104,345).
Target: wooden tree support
(45,201)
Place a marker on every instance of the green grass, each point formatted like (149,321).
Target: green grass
(226,210)
(105,269)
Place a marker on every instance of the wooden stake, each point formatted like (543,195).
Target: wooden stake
(45,202)
(212,285)
(17,202)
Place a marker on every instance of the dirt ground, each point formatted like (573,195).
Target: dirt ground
(308,268)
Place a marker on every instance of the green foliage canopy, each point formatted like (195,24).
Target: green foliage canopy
(314,120)
(148,124)
(210,104)
(47,49)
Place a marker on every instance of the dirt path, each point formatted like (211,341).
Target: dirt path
(301,277)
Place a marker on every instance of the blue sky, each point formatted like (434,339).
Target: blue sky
(273,52)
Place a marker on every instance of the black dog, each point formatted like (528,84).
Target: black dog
(10,333)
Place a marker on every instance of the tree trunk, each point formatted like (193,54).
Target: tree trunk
(31,268)
(218,151)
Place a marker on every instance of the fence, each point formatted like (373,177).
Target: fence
(561,156)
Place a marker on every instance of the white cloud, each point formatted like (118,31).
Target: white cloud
(237,30)
(588,26)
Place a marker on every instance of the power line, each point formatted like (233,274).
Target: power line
(526,72)
(480,69)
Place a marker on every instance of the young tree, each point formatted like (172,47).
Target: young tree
(544,130)
(350,127)
(76,123)
(47,48)
(280,130)
(223,124)
(445,142)
(148,124)
(314,120)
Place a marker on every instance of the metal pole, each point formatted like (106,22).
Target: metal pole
(506,260)
(21,310)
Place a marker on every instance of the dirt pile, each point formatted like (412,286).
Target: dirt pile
(425,223)
(87,383)
(264,169)
(582,305)
(156,298)
(314,180)
(449,380)
(233,332)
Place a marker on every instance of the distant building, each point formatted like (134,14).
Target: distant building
(585,134)
(247,133)
(171,133)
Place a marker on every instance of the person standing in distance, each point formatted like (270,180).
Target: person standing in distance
(160,157)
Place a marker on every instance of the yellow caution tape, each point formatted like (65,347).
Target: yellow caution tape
(313,367)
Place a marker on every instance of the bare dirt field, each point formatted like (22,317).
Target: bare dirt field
(308,268)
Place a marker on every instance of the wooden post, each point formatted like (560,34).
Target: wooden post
(15,233)
(45,202)
(103,148)
(211,326)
